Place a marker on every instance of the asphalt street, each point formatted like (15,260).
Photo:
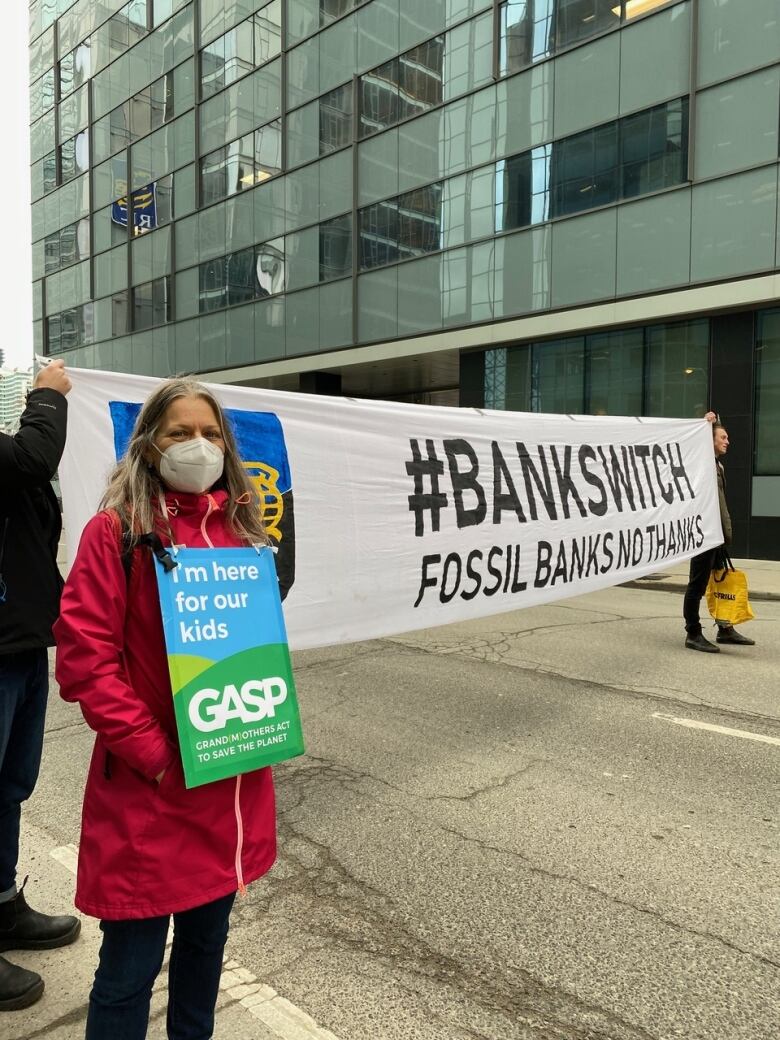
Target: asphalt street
(556,824)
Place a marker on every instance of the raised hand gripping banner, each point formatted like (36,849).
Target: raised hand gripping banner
(232,682)
(408,516)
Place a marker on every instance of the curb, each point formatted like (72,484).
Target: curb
(665,585)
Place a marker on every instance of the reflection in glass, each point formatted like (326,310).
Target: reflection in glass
(42,95)
(420,78)
(654,148)
(578,19)
(49,163)
(335,248)
(526,29)
(71,328)
(151,304)
(270,268)
(336,119)
(557,376)
(74,157)
(523,189)
(378,234)
(228,170)
(678,366)
(242,164)
(635,8)
(268,32)
(120,313)
(767,460)
(585,170)
(69,245)
(656,370)
(239,51)
(614,366)
(242,276)
(75,69)
(268,151)
(379,99)
(419,221)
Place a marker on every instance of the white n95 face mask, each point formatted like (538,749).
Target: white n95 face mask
(193,465)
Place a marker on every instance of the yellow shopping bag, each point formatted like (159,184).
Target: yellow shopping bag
(727,596)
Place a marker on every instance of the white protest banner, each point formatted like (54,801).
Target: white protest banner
(409,516)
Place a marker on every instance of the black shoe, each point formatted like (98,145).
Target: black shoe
(24,929)
(18,987)
(730,635)
(698,642)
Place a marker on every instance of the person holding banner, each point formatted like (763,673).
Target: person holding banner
(151,848)
(701,566)
(30,584)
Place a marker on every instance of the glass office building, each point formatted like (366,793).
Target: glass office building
(544,205)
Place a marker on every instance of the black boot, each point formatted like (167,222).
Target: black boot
(24,929)
(729,634)
(697,641)
(18,987)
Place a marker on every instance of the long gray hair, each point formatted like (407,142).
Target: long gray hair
(134,486)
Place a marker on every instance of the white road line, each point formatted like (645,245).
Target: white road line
(276,1013)
(762,738)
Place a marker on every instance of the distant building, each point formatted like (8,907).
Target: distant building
(13,390)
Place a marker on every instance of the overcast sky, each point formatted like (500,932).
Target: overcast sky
(16,279)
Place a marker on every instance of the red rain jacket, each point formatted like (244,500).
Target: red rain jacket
(148,850)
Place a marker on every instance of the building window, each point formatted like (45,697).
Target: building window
(525,33)
(49,172)
(42,95)
(420,78)
(379,102)
(75,69)
(405,86)
(576,20)
(242,164)
(530,30)
(654,148)
(677,369)
(74,327)
(240,277)
(558,376)
(241,50)
(419,221)
(378,234)
(767,458)
(585,170)
(336,248)
(69,245)
(151,304)
(336,119)
(659,370)
(614,373)
(120,313)
(523,189)
(74,157)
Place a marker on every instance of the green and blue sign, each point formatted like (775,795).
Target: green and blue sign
(231,676)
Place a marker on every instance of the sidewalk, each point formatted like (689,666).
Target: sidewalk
(763,578)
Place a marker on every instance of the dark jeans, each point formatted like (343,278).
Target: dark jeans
(698,576)
(24,687)
(131,956)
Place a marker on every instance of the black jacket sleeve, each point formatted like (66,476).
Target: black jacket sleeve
(30,458)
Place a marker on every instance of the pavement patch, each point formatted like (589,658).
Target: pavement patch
(240,987)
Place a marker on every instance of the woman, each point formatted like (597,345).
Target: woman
(150,847)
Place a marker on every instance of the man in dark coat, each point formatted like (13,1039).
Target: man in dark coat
(30,585)
(701,565)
